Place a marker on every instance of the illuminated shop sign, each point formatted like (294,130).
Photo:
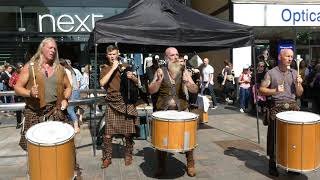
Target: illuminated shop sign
(67,22)
(277,15)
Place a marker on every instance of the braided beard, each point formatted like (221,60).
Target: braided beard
(175,69)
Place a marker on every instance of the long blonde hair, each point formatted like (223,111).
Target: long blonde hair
(36,58)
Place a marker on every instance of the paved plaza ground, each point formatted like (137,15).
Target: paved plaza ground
(227,150)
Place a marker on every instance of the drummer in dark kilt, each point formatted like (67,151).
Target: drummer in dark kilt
(282,85)
(45,86)
(170,82)
(120,117)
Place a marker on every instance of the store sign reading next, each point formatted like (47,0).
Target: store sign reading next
(68,23)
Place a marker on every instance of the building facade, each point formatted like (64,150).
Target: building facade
(276,24)
(25,23)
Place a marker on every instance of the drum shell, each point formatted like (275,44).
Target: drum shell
(298,145)
(174,136)
(203,116)
(51,162)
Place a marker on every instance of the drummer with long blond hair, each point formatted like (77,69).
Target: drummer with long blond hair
(169,82)
(45,86)
(282,85)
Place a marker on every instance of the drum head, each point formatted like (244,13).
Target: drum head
(173,115)
(50,133)
(298,117)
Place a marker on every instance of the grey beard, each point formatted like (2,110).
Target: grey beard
(175,69)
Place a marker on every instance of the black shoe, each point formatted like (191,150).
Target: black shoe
(18,126)
(273,172)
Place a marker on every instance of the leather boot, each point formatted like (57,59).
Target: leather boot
(128,151)
(161,169)
(191,171)
(106,152)
(273,168)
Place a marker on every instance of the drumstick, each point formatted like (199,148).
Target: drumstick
(33,74)
(298,64)
(34,77)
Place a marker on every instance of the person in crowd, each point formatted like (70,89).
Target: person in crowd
(150,71)
(302,73)
(84,85)
(206,78)
(266,59)
(315,85)
(255,83)
(86,77)
(74,79)
(195,75)
(4,78)
(244,83)
(45,86)
(12,82)
(310,72)
(169,82)
(283,84)
(120,116)
(228,82)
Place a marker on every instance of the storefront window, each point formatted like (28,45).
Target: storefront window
(9,18)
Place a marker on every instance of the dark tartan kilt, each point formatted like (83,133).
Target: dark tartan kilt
(116,122)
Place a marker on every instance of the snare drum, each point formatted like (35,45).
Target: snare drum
(298,141)
(174,131)
(51,151)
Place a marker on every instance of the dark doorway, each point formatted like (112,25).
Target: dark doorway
(70,51)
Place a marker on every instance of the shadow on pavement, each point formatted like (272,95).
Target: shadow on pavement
(259,163)
(175,168)
(204,126)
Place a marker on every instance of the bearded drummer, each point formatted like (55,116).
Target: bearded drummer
(169,82)
(45,86)
(283,85)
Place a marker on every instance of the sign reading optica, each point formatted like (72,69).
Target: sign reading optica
(277,14)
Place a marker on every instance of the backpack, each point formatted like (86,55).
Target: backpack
(128,89)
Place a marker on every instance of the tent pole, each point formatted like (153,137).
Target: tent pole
(95,96)
(256,90)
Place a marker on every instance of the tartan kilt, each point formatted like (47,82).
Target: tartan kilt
(117,123)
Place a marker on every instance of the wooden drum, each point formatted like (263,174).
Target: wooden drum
(298,141)
(51,151)
(174,131)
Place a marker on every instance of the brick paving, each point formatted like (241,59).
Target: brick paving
(227,150)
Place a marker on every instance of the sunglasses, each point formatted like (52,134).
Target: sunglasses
(261,66)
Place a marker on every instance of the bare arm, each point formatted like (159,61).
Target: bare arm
(20,87)
(156,82)
(264,87)
(188,81)
(103,81)
(67,86)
